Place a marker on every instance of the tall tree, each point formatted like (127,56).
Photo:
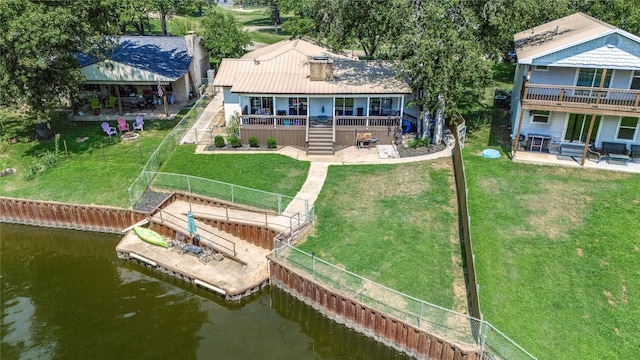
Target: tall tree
(624,14)
(37,44)
(168,8)
(440,55)
(223,36)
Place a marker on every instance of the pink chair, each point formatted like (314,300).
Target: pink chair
(122,125)
(139,124)
(110,130)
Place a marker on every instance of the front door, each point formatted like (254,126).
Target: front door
(578,126)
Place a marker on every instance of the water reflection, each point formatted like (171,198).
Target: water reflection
(66,295)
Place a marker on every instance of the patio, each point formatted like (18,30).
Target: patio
(560,160)
(130,113)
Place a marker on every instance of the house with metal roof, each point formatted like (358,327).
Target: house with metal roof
(576,90)
(305,95)
(139,65)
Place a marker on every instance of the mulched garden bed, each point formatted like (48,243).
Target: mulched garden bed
(228,147)
(422,150)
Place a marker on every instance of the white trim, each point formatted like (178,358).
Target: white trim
(531,117)
(635,131)
(541,68)
(633,72)
(530,59)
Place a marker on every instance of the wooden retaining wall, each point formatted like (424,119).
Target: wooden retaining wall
(258,235)
(386,329)
(67,216)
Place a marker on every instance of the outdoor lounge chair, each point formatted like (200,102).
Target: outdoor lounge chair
(110,130)
(179,242)
(95,104)
(206,255)
(122,125)
(635,153)
(139,124)
(111,103)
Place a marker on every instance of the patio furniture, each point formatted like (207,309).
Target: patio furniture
(179,242)
(122,125)
(615,153)
(207,253)
(536,141)
(593,151)
(111,103)
(635,153)
(139,124)
(110,130)
(95,104)
(571,149)
(364,140)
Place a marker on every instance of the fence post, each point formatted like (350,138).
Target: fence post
(232,196)
(484,337)
(161,220)
(130,198)
(188,183)
(279,204)
(421,310)
(313,256)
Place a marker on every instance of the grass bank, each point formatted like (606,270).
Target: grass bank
(394,224)
(556,251)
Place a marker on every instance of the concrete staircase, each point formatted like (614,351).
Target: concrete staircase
(320,141)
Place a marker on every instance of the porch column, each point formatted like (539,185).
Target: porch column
(306,136)
(401,106)
(333,120)
(273,111)
(119,101)
(368,106)
(586,143)
(604,75)
(517,135)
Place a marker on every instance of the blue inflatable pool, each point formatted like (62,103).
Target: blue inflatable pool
(490,153)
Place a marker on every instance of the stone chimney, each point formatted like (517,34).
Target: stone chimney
(320,68)
(190,39)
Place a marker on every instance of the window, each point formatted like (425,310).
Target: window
(541,68)
(592,78)
(297,106)
(540,116)
(344,106)
(578,128)
(380,106)
(627,128)
(635,80)
(261,105)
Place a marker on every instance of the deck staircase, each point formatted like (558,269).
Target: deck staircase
(320,141)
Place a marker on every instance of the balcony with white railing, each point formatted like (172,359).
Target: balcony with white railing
(288,121)
(578,97)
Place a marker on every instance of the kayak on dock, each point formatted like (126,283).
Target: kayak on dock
(150,236)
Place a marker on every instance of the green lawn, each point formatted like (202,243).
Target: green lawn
(268,172)
(98,169)
(393,224)
(557,253)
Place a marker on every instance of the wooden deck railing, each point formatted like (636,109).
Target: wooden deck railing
(582,97)
(284,121)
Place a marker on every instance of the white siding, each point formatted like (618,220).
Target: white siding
(231,104)
(554,76)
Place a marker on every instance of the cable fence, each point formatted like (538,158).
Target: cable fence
(162,152)
(457,328)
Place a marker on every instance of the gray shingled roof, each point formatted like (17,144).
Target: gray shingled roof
(163,55)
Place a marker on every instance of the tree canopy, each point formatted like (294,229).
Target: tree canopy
(37,44)
(223,36)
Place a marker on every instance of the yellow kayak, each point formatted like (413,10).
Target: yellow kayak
(150,236)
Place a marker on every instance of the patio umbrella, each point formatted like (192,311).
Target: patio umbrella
(191,223)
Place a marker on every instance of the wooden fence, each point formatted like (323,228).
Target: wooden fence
(461,190)
(386,329)
(67,216)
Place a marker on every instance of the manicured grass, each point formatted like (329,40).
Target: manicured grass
(269,172)
(268,36)
(557,253)
(393,224)
(97,170)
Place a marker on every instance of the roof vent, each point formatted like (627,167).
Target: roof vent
(612,41)
(320,68)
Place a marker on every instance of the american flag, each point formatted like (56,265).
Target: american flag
(160,93)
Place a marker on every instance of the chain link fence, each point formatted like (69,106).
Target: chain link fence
(457,328)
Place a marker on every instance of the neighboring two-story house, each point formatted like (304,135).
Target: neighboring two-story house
(308,96)
(577,82)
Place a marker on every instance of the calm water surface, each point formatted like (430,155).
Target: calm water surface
(65,295)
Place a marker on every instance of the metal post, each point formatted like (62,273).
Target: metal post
(266,220)
(130,198)
(226,209)
(313,255)
(188,184)
(161,220)
(421,310)
(232,196)
(279,204)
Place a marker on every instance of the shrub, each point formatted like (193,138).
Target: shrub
(233,125)
(218,140)
(234,141)
(271,142)
(45,162)
(253,141)
(419,143)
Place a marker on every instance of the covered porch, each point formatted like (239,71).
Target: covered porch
(574,161)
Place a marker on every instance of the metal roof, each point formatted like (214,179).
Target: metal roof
(283,68)
(166,56)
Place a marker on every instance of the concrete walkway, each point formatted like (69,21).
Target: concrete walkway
(202,129)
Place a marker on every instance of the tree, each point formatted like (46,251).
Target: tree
(169,8)
(624,14)
(134,13)
(223,36)
(441,59)
(37,44)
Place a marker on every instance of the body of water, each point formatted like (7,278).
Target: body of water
(65,295)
